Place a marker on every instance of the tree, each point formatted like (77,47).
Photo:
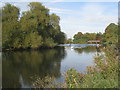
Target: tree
(78,35)
(54,24)
(10,24)
(69,41)
(84,38)
(111,34)
(35,28)
(60,38)
(99,36)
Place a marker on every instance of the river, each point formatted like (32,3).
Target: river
(19,67)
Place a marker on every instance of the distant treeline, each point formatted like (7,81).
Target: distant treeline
(84,38)
(32,29)
(110,36)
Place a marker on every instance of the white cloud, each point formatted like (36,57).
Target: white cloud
(91,18)
(90,13)
(95,13)
(58,10)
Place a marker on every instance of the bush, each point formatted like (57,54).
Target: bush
(46,82)
(102,75)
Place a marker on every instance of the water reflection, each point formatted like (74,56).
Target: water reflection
(79,58)
(20,66)
(88,49)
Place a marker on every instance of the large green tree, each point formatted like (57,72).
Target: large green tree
(35,28)
(111,34)
(10,25)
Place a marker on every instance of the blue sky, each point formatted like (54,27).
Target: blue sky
(79,16)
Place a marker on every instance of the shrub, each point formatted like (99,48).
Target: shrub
(104,74)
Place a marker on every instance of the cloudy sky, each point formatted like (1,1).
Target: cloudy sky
(78,16)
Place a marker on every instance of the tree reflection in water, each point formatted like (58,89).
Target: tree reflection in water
(20,66)
(88,49)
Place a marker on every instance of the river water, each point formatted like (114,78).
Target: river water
(19,67)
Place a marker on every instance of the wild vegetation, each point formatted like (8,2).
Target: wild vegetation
(84,38)
(31,29)
(38,28)
(104,74)
(110,37)
(68,41)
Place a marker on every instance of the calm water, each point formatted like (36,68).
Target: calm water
(20,67)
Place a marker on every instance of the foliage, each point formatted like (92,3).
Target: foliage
(73,78)
(69,40)
(84,38)
(9,24)
(80,40)
(60,38)
(109,37)
(35,28)
(46,82)
(32,40)
(111,34)
(104,74)
(49,42)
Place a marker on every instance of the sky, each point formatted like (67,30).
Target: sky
(78,16)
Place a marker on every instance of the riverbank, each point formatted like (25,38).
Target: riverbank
(104,74)
(28,49)
(59,45)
